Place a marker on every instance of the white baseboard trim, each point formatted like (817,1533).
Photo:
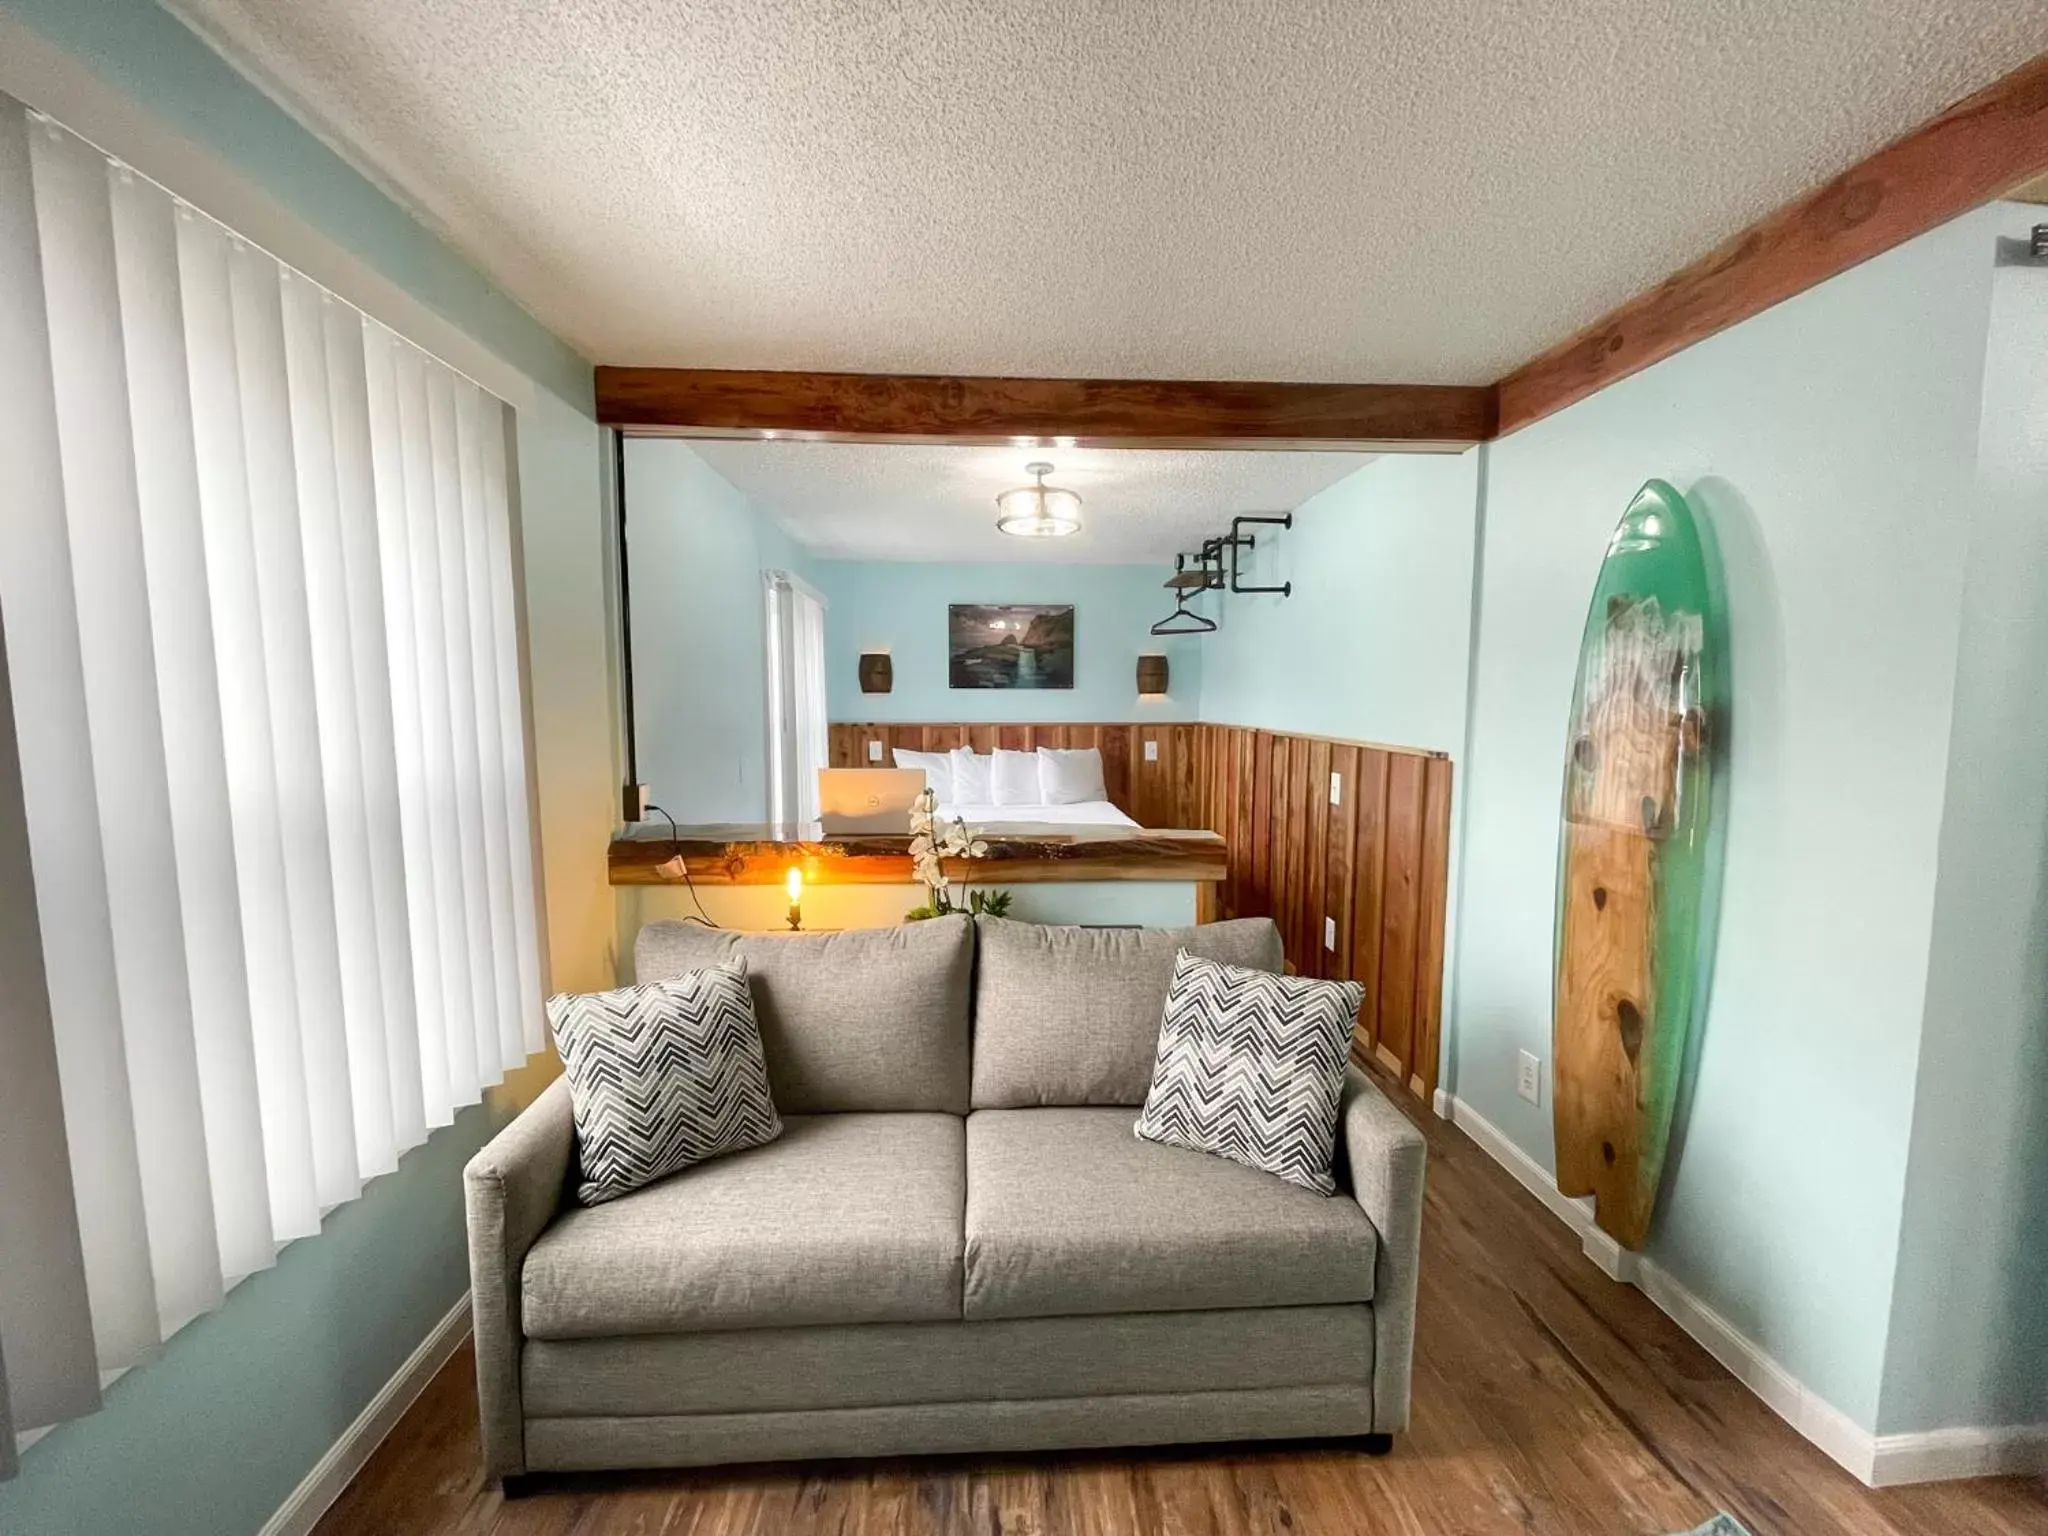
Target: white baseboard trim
(1880,1461)
(1844,1440)
(1933,1455)
(344,1459)
(1614,1261)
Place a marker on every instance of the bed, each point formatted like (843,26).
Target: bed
(984,819)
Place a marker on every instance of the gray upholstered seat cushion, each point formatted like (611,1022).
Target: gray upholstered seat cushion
(1069,1213)
(845,1219)
(1071,1015)
(874,1019)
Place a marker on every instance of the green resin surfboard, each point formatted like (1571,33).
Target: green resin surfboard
(1638,857)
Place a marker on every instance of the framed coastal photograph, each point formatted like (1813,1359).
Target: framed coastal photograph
(1010,645)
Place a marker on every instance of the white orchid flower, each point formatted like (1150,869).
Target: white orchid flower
(932,841)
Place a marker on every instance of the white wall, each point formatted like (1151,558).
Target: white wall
(1969,1335)
(1830,444)
(1374,642)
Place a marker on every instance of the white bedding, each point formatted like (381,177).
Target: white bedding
(986,818)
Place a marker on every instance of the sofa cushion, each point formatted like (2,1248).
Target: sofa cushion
(1069,1213)
(874,1019)
(845,1219)
(1071,1015)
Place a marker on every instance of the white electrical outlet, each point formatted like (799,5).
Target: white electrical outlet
(1330,934)
(874,751)
(1151,751)
(1336,789)
(1529,1077)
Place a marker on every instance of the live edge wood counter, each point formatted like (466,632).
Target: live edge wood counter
(756,855)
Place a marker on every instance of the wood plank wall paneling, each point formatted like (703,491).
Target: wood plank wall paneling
(1401,915)
(1370,854)
(1377,863)
(1436,881)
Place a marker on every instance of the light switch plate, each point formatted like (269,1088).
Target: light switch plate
(1330,934)
(1151,751)
(874,751)
(1336,789)
(1529,1077)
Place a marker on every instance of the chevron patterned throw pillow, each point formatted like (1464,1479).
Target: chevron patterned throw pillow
(1251,1066)
(662,1076)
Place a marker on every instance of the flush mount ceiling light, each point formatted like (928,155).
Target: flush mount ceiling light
(1038,511)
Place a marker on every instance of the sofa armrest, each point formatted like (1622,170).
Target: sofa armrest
(511,1190)
(1385,1154)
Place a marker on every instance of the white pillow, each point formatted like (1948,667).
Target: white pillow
(1070,776)
(970,777)
(1016,778)
(938,770)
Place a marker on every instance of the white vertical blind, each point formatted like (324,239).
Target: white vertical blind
(38,606)
(797,741)
(242,674)
(807,665)
(125,732)
(424,910)
(375,688)
(195,761)
(47,1365)
(272,744)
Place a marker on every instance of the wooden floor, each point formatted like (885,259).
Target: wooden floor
(1547,1400)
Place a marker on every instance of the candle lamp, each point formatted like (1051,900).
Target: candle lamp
(793,883)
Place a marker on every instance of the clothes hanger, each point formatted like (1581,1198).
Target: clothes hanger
(1182,622)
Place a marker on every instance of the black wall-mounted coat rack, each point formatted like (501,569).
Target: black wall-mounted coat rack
(1205,571)
(1238,539)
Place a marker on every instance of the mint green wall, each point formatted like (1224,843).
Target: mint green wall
(1969,1321)
(1831,443)
(900,607)
(696,549)
(1374,642)
(210,1438)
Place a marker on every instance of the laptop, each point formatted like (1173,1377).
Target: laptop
(852,800)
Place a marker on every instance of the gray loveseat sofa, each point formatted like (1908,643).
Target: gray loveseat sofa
(956,1245)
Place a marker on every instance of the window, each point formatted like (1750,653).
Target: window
(797,746)
(257,593)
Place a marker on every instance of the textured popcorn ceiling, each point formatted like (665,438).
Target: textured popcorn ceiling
(1283,189)
(869,501)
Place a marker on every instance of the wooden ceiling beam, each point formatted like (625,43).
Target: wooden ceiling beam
(1084,413)
(1981,148)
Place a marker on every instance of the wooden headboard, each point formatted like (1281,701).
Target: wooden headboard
(1374,867)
